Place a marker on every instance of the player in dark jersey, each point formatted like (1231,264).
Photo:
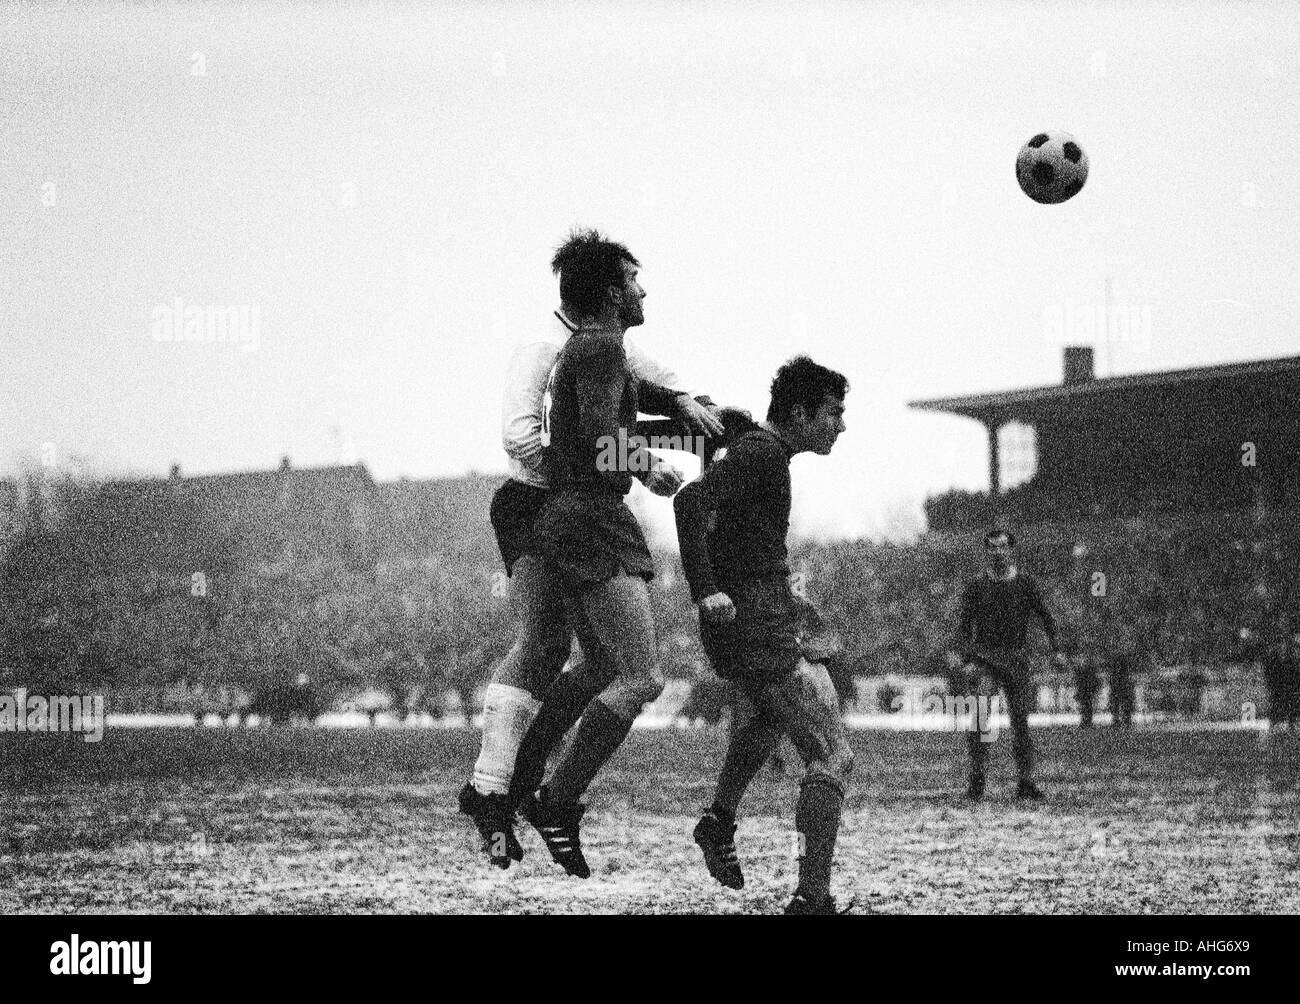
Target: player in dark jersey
(588,533)
(512,755)
(989,654)
(731,526)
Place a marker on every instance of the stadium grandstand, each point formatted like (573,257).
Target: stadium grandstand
(1156,515)
(1214,438)
(283,593)
(1159,515)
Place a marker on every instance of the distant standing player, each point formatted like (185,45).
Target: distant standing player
(750,624)
(995,612)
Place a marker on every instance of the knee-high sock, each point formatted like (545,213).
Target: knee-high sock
(979,751)
(750,747)
(817,818)
(600,733)
(507,712)
(564,704)
(1022,746)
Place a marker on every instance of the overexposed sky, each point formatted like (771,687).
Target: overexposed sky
(382,186)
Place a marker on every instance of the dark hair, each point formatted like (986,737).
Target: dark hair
(802,381)
(999,531)
(588,263)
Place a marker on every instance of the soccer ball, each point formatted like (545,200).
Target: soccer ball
(1051,167)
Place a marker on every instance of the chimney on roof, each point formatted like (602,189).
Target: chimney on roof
(175,474)
(284,463)
(1078,364)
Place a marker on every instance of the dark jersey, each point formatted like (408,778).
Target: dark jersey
(995,612)
(748,494)
(590,421)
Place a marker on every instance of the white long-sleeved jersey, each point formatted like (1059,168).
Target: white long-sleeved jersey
(521,411)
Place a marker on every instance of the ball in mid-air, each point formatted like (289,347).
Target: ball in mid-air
(1051,167)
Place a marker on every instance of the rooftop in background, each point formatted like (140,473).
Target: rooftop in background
(1013,404)
(1211,437)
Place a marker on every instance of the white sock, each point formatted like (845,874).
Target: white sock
(507,713)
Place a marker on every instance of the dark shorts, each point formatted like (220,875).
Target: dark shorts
(513,512)
(762,644)
(591,538)
(993,669)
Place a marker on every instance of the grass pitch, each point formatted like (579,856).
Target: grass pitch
(302,820)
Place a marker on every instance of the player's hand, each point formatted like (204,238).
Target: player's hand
(664,479)
(703,419)
(954,661)
(718,608)
(1059,660)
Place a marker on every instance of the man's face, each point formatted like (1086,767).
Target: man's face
(825,426)
(630,311)
(1000,552)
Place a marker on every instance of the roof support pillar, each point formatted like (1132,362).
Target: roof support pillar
(995,459)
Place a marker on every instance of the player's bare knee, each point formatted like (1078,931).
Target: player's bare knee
(629,697)
(823,772)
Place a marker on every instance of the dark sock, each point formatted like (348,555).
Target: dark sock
(600,733)
(563,705)
(1024,753)
(817,818)
(979,752)
(749,749)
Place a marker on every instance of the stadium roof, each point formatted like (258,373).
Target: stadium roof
(1005,404)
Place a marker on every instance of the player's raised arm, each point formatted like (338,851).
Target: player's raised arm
(655,399)
(659,476)
(699,412)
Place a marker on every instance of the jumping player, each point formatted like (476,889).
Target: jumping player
(750,623)
(588,532)
(586,264)
(989,654)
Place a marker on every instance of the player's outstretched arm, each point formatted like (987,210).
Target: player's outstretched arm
(698,412)
(656,399)
(700,415)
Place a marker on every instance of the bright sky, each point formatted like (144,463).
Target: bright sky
(382,186)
